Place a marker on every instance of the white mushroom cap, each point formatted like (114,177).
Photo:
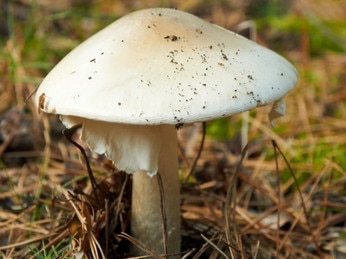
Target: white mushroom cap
(164,66)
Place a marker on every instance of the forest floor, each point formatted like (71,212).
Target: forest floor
(283,196)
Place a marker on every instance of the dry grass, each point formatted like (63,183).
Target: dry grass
(286,199)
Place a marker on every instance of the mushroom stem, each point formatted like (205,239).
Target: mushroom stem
(146,222)
(143,150)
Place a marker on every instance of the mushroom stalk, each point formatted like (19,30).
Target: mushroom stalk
(146,221)
(144,151)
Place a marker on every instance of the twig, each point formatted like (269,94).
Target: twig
(6,142)
(215,246)
(301,198)
(28,241)
(325,200)
(278,202)
(141,246)
(255,254)
(68,133)
(120,197)
(193,166)
(56,239)
(230,199)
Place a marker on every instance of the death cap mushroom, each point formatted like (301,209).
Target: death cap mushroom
(152,68)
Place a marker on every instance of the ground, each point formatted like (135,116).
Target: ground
(282,198)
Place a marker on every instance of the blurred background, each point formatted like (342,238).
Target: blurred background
(311,34)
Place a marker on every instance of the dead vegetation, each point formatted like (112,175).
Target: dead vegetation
(283,196)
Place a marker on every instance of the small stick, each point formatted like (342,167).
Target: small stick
(301,198)
(68,133)
(192,169)
(230,200)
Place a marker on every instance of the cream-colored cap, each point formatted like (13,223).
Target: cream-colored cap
(164,66)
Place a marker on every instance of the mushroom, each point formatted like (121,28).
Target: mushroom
(131,83)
